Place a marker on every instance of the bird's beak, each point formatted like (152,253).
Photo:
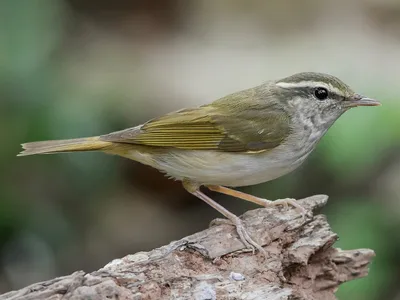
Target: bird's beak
(359,100)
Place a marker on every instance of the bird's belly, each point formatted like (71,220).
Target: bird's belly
(229,169)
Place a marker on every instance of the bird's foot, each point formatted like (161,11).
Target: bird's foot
(285,203)
(242,232)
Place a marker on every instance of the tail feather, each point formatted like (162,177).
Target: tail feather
(57,146)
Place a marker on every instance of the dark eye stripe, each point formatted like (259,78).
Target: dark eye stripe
(333,90)
(310,91)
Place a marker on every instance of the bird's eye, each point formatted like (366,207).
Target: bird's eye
(321,93)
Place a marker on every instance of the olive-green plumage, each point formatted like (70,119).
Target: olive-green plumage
(245,138)
(259,134)
(215,126)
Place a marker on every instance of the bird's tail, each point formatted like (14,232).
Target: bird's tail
(71,145)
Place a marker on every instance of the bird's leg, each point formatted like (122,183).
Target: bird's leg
(194,189)
(257,200)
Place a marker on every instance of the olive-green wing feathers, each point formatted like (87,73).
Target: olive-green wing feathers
(185,129)
(230,124)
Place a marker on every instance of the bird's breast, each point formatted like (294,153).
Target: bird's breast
(229,169)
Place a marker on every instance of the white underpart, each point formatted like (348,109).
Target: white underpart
(310,84)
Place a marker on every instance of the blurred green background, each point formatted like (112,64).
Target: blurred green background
(73,68)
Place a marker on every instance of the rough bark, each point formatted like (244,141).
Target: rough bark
(212,264)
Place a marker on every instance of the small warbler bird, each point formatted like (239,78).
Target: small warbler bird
(248,137)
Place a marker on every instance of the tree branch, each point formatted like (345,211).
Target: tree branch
(212,264)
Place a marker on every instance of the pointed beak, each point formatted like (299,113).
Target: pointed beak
(359,100)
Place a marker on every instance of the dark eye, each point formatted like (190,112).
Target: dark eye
(321,93)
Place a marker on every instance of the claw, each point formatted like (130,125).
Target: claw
(244,236)
(285,203)
(220,221)
(247,240)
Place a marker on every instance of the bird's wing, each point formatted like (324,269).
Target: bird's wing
(212,127)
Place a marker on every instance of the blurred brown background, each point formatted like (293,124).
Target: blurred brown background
(72,68)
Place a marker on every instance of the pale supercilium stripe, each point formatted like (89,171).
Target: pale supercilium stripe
(310,84)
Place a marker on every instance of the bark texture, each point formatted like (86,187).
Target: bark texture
(212,264)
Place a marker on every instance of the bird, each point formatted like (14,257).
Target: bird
(245,138)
